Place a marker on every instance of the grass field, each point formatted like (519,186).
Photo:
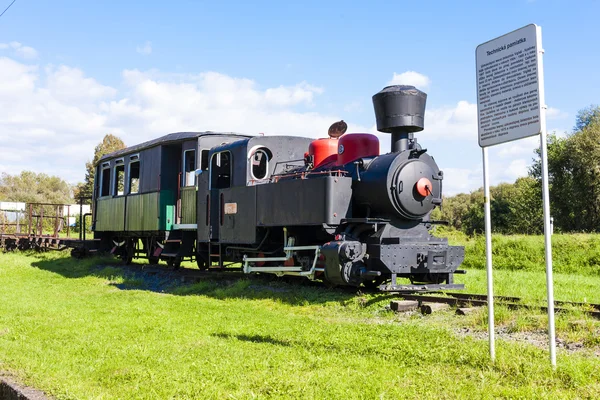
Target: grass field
(572,253)
(88,330)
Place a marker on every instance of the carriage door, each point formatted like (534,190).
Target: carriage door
(220,179)
(203,197)
(186,196)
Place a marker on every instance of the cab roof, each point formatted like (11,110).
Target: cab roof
(168,139)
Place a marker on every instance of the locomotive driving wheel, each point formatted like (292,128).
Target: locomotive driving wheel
(375,283)
(174,262)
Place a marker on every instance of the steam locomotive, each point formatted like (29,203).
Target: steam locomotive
(332,208)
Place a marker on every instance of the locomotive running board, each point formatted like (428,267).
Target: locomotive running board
(281,270)
(421,288)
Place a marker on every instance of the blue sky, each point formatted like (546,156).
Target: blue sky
(139,69)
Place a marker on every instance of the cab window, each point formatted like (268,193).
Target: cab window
(220,170)
(259,164)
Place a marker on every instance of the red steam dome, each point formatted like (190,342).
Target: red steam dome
(353,146)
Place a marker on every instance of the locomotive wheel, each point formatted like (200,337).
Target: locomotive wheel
(202,262)
(150,245)
(78,253)
(375,283)
(174,263)
(126,257)
(126,253)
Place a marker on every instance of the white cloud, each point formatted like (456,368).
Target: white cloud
(466,180)
(458,121)
(461,180)
(70,84)
(519,148)
(26,52)
(146,49)
(555,113)
(287,96)
(413,78)
(52,117)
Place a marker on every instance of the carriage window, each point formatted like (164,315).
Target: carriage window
(105,180)
(189,167)
(220,170)
(119,188)
(134,177)
(204,160)
(260,164)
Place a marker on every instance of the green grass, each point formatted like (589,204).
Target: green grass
(531,286)
(86,330)
(571,253)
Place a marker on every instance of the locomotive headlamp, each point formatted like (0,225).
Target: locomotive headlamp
(423,187)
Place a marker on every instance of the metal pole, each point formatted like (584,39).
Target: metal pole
(488,252)
(546,199)
(81,217)
(548,246)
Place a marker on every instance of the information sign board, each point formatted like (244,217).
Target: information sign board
(509,85)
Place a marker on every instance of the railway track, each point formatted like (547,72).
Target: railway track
(479,300)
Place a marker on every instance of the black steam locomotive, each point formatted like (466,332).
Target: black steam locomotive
(331,209)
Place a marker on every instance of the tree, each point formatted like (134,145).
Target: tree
(574,174)
(109,144)
(453,210)
(586,117)
(29,187)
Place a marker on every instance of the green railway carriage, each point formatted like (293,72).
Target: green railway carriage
(145,192)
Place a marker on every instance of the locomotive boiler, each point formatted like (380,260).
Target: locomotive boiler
(333,209)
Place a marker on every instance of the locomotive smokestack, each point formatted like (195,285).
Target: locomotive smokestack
(400,110)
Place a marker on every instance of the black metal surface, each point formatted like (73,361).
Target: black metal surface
(400,110)
(387,185)
(326,199)
(416,258)
(239,225)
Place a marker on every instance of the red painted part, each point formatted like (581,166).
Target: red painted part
(424,187)
(353,146)
(289,262)
(323,151)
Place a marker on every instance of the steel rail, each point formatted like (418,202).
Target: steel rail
(513,303)
(518,299)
